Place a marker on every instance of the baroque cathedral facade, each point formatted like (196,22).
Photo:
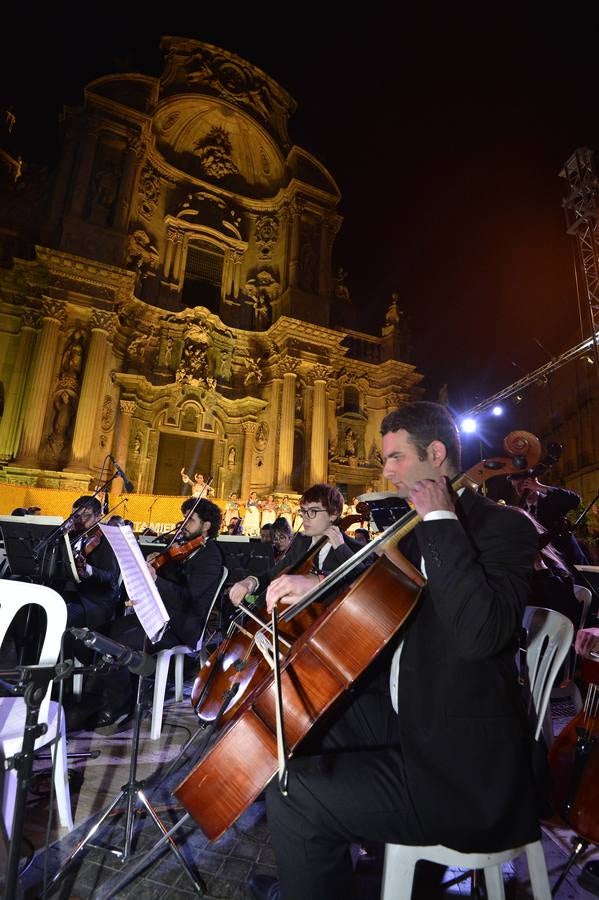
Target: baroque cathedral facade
(167,296)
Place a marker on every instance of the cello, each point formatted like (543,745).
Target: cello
(320,665)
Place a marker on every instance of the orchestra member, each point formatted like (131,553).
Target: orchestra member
(91,601)
(320,507)
(431,745)
(550,506)
(282,537)
(187,590)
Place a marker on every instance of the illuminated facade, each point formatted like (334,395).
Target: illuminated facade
(168,297)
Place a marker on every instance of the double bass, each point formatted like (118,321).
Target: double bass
(320,665)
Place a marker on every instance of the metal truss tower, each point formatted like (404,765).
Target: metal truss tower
(581,205)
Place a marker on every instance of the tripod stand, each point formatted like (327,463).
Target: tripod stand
(132,793)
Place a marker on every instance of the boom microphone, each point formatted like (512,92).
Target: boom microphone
(137,661)
(119,471)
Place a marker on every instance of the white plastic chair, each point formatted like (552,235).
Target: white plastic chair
(163,659)
(549,637)
(14,596)
(568,687)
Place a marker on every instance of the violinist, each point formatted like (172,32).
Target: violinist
(431,744)
(92,601)
(186,585)
(550,505)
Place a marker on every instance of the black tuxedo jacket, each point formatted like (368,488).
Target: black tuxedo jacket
(463,733)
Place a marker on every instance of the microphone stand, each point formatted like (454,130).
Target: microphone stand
(33,684)
(132,793)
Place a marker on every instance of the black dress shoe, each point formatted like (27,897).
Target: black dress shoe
(109,721)
(589,879)
(263,887)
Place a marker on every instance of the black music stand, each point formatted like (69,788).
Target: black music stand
(22,534)
(133,793)
(385,509)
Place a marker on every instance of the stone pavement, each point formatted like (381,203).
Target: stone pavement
(224,865)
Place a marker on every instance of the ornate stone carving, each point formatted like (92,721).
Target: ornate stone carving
(214,154)
(340,289)
(267,234)
(149,191)
(249,427)
(108,413)
(30,318)
(261,437)
(53,309)
(317,373)
(253,375)
(259,292)
(289,365)
(127,407)
(142,256)
(101,320)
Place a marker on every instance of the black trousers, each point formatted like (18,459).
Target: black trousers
(354,789)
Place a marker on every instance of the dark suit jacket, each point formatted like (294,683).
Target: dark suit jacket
(301,543)
(98,593)
(551,510)
(187,590)
(463,734)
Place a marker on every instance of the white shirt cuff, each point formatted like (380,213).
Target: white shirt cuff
(439,514)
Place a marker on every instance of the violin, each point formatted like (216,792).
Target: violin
(84,545)
(321,663)
(176,553)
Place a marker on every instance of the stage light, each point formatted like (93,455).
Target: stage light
(497,410)
(468,426)
(589,360)
(518,398)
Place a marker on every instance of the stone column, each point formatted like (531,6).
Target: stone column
(287,432)
(127,408)
(10,426)
(178,262)
(91,389)
(39,381)
(249,429)
(319,457)
(296,220)
(324,262)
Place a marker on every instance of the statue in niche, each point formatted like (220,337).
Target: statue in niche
(232,455)
(64,413)
(225,365)
(393,314)
(214,153)
(350,443)
(261,314)
(105,185)
(72,355)
(137,444)
(341,290)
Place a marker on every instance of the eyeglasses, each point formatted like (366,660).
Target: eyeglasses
(310,512)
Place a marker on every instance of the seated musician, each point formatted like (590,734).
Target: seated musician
(431,745)
(93,600)
(187,589)
(320,507)
(282,536)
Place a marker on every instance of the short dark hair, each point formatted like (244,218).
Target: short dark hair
(92,503)
(426,422)
(206,510)
(281,526)
(330,497)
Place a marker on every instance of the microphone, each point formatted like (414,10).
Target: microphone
(137,661)
(105,505)
(126,482)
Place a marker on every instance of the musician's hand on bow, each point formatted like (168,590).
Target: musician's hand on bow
(334,535)
(240,590)
(289,589)
(150,567)
(587,641)
(431,495)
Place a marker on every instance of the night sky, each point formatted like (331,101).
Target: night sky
(445,130)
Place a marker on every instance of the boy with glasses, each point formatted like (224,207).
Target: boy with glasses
(320,507)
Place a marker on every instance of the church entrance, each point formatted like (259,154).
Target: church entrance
(177,451)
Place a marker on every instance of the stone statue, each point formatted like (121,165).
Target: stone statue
(72,356)
(142,255)
(231,458)
(341,290)
(350,443)
(64,410)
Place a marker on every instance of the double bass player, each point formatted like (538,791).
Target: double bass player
(431,745)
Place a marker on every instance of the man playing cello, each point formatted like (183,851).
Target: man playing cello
(431,745)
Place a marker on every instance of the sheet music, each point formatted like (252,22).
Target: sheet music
(140,586)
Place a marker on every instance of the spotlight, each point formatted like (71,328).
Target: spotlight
(468,426)
(589,360)
(497,410)
(518,398)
